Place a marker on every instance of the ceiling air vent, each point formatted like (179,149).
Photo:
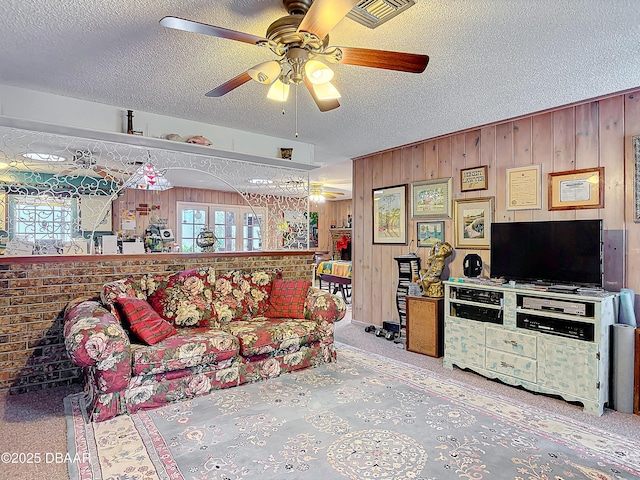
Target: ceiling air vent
(373,13)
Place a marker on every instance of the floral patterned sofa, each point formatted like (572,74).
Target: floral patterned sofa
(166,338)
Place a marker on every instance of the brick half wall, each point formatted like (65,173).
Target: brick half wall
(35,290)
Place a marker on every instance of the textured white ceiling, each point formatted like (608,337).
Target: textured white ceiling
(490,60)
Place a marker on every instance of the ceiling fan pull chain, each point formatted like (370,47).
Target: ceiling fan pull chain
(296,110)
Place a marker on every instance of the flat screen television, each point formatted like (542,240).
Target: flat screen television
(566,252)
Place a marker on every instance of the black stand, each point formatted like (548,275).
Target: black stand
(408,269)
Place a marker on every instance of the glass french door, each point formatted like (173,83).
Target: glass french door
(237,228)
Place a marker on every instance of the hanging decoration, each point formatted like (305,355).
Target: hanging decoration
(147,177)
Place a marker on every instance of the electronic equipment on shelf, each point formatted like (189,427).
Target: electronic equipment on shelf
(476,295)
(552,326)
(562,288)
(477,313)
(545,342)
(167,235)
(549,304)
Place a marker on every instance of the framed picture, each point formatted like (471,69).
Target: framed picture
(472,222)
(430,233)
(576,189)
(431,198)
(474,178)
(390,215)
(524,188)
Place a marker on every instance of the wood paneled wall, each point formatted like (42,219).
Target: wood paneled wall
(590,134)
(330,213)
(167,201)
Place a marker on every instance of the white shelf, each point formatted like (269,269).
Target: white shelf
(149,142)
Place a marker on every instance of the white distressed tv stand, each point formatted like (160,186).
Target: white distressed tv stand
(554,343)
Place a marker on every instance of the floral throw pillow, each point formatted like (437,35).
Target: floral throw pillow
(243,295)
(287,298)
(185,299)
(143,320)
(123,288)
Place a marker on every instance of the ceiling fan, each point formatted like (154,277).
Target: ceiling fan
(317,193)
(300,40)
(84,160)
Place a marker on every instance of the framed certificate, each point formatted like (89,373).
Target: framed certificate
(576,189)
(524,188)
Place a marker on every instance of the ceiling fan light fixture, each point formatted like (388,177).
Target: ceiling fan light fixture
(316,198)
(317,72)
(265,72)
(279,91)
(326,91)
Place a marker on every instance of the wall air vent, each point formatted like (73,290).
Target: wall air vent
(373,13)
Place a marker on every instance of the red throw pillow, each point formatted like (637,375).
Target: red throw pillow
(125,287)
(143,320)
(287,298)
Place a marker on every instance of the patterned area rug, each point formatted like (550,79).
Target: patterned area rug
(363,417)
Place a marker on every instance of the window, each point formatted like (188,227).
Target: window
(192,221)
(45,221)
(236,228)
(251,238)
(225,226)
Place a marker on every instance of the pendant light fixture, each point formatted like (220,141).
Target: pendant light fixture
(147,177)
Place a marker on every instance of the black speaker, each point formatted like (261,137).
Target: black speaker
(472,265)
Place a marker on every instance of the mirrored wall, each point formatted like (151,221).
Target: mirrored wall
(67,191)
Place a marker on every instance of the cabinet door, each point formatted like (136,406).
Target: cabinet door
(568,366)
(464,342)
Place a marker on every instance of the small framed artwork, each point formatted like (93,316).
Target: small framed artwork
(576,189)
(431,198)
(524,188)
(474,178)
(390,215)
(430,233)
(472,222)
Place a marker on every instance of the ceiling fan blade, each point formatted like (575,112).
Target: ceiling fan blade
(228,86)
(323,105)
(323,15)
(205,29)
(364,57)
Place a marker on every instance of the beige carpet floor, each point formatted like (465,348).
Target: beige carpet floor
(34,423)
